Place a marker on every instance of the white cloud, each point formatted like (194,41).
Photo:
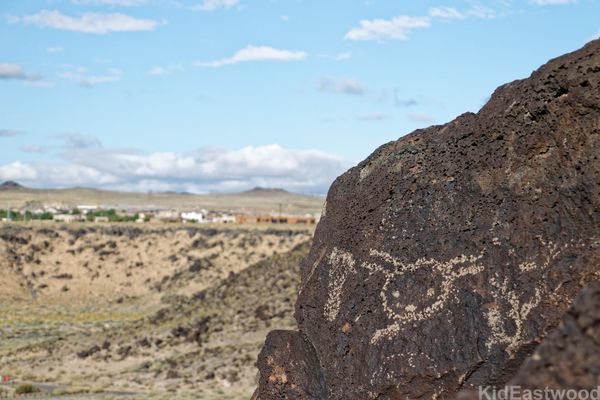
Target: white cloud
(303,170)
(96,23)
(17,171)
(551,2)
(446,13)
(212,5)
(10,71)
(80,75)
(479,11)
(451,13)
(169,69)
(337,57)
(123,3)
(343,86)
(397,28)
(256,53)
(53,50)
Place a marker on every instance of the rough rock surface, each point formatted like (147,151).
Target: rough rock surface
(570,356)
(444,258)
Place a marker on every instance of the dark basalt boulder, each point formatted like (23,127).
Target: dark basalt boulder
(447,256)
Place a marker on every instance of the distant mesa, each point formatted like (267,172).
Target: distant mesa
(260,191)
(11,185)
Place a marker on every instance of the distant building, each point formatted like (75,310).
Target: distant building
(168,216)
(67,218)
(224,219)
(246,219)
(141,218)
(193,216)
(101,220)
(86,209)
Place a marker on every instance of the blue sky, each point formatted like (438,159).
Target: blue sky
(223,95)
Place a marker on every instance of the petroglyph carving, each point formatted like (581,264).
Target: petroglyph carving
(442,276)
(403,304)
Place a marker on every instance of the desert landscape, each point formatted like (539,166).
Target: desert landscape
(300,200)
(147,312)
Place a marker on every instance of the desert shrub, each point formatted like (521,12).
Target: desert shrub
(25,388)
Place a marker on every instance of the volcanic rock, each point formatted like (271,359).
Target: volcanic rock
(445,258)
(570,356)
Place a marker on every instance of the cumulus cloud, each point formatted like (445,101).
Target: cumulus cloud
(303,170)
(212,5)
(18,171)
(96,23)
(397,28)
(256,53)
(343,86)
(83,78)
(10,71)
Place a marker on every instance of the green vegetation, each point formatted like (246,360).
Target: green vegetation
(26,216)
(112,216)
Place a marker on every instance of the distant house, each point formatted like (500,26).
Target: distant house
(224,219)
(193,216)
(168,216)
(246,219)
(67,218)
(141,218)
(86,209)
(101,220)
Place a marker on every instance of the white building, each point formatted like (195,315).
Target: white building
(193,216)
(86,209)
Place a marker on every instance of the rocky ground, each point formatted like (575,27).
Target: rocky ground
(164,312)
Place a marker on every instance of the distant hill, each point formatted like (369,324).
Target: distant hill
(254,200)
(260,191)
(11,185)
